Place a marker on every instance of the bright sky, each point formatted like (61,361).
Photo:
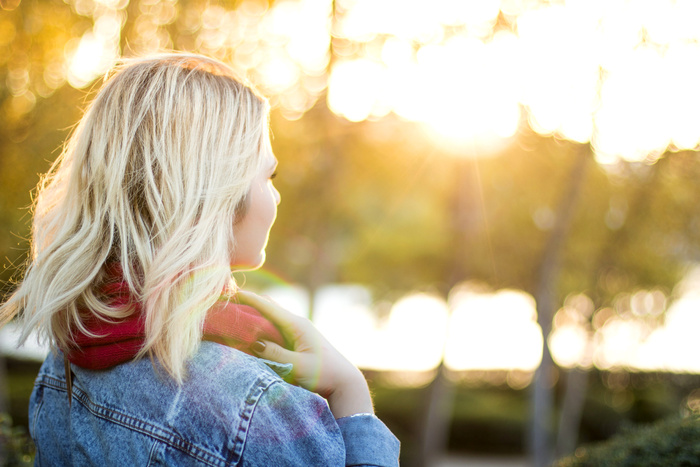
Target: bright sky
(621,73)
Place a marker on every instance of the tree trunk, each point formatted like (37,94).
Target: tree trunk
(571,410)
(436,417)
(577,379)
(542,400)
(435,429)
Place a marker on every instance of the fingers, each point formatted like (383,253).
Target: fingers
(271,351)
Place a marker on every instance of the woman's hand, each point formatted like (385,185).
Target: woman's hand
(318,366)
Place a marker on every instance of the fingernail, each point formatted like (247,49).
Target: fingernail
(258,346)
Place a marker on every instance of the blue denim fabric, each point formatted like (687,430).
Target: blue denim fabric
(232,410)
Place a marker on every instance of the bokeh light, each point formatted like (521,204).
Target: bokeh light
(493,332)
(616,73)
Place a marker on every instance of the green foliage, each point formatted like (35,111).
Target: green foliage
(391,211)
(670,442)
(16,447)
(21,163)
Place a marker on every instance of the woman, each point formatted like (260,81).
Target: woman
(164,186)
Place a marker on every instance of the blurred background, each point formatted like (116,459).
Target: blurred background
(489,206)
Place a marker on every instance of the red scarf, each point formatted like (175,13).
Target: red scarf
(230,324)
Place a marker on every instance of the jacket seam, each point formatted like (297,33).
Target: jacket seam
(35,418)
(153,453)
(158,433)
(251,402)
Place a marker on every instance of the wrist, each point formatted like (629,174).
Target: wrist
(351,397)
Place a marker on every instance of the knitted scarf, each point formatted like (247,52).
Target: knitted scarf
(118,341)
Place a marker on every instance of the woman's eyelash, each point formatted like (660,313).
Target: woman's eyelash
(274,174)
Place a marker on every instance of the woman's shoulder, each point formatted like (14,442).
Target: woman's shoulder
(215,370)
(216,359)
(209,414)
(219,379)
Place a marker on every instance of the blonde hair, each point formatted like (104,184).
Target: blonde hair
(151,179)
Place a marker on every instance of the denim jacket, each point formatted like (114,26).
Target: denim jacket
(232,410)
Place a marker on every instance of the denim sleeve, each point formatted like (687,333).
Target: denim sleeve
(292,426)
(368,441)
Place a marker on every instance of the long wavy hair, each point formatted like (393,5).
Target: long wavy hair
(152,179)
